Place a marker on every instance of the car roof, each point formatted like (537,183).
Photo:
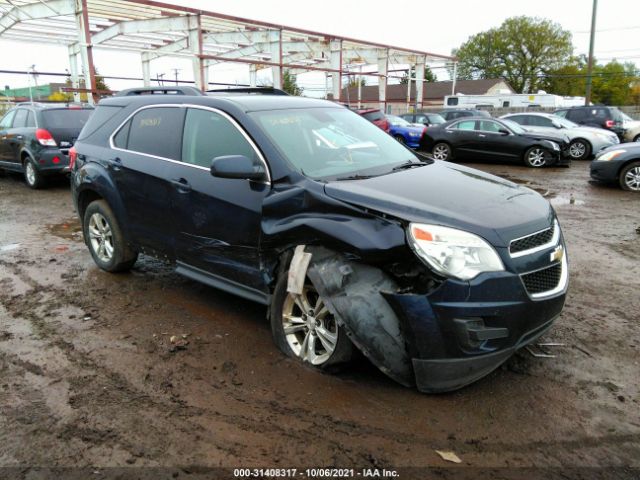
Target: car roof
(535,114)
(246,102)
(55,106)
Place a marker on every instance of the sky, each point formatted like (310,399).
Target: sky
(427,25)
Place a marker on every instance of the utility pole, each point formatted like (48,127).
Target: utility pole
(587,97)
(160,79)
(175,72)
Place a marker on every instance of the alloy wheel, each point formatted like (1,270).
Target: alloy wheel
(632,179)
(101,237)
(30,173)
(441,152)
(536,157)
(577,150)
(309,328)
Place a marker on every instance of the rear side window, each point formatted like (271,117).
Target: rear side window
(20,119)
(67,118)
(520,119)
(31,121)
(157,131)
(208,135)
(576,115)
(100,116)
(540,121)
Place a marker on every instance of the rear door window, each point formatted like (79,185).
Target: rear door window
(576,115)
(100,116)
(7,120)
(208,135)
(537,121)
(157,131)
(465,125)
(31,121)
(521,119)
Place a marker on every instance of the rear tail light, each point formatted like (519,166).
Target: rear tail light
(45,138)
(609,123)
(56,160)
(73,155)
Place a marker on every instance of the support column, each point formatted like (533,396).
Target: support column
(336,65)
(146,69)
(420,64)
(275,48)
(86,51)
(195,46)
(73,70)
(253,75)
(455,76)
(383,66)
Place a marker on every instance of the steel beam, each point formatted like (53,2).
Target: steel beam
(86,52)
(73,70)
(36,10)
(275,48)
(146,69)
(152,25)
(420,64)
(335,59)
(383,66)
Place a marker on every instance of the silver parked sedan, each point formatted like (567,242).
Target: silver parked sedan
(585,141)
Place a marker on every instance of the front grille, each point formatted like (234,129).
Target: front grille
(532,241)
(543,280)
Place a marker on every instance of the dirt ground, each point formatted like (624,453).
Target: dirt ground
(89,377)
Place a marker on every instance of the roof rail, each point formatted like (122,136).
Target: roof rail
(159,91)
(255,90)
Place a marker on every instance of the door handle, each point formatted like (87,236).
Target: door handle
(181,185)
(19,137)
(115,164)
(481,135)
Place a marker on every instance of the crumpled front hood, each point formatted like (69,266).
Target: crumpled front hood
(452,195)
(547,135)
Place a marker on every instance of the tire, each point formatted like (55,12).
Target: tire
(579,149)
(32,177)
(441,151)
(637,138)
(534,157)
(327,350)
(400,139)
(629,177)
(105,240)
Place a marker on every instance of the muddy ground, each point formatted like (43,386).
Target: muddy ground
(88,375)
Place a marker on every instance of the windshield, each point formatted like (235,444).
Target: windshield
(436,119)
(397,121)
(71,118)
(625,117)
(515,127)
(332,143)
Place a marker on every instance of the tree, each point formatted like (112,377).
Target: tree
(429,76)
(353,81)
(521,50)
(612,82)
(289,84)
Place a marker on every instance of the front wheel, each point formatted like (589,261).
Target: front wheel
(400,139)
(630,177)
(441,151)
(105,240)
(637,139)
(579,150)
(303,327)
(535,157)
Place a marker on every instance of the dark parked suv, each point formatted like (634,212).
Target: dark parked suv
(453,113)
(438,273)
(600,116)
(35,139)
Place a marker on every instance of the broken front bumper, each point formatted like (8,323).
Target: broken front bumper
(461,332)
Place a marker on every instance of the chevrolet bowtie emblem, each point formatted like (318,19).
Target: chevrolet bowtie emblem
(557,254)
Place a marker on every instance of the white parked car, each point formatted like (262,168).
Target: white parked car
(584,141)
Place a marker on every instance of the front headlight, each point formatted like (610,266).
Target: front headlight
(610,155)
(453,253)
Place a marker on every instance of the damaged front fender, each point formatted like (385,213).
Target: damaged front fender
(353,292)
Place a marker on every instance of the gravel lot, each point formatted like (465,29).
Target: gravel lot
(89,376)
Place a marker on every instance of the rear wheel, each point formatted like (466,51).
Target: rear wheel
(535,157)
(32,176)
(637,139)
(105,240)
(579,149)
(441,151)
(303,327)
(630,177)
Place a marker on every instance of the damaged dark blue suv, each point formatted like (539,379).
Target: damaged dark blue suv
(436,272)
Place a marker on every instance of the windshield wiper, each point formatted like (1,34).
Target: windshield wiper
(355,177)
(407,165)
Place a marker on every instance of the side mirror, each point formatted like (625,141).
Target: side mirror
(504,131)
(556,125)
(237,166)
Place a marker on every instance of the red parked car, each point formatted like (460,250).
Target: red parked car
(376,117)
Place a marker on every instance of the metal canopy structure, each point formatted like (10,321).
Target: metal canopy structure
(156,29)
